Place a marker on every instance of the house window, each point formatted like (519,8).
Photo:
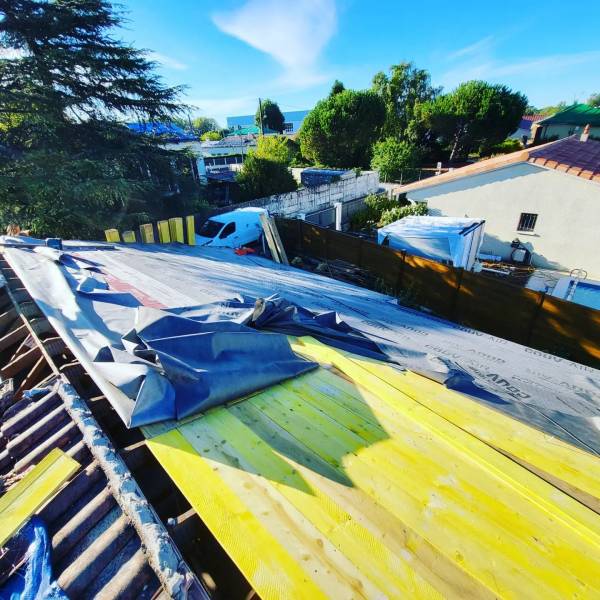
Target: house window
(527,222)
(288,127)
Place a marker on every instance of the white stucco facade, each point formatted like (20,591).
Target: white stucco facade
(567,229)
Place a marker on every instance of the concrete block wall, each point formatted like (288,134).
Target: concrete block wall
(310,199)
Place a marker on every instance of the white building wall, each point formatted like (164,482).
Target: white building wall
(567,232)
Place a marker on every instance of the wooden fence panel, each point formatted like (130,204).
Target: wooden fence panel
(344,247)
(314,240)
(429,284)
(496,307)
(384,263)
(491,305)
(289,232)
(568,329)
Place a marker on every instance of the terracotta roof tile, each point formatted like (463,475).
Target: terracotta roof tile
(569,155)
(533,118)
(571,152)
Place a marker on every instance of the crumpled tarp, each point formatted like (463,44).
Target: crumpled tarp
(174,366)
(33,580)
(163,364)
(278,314)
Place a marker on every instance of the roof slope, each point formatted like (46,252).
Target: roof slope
(569,155)
(347,482)
(528,120)
(577,114)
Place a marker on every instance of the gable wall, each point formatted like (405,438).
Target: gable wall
(567,232)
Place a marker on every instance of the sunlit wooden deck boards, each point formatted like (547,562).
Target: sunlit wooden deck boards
(320,488)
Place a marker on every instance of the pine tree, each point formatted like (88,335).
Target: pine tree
(272,117)
(67,164)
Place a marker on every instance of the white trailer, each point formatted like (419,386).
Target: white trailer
(449,240)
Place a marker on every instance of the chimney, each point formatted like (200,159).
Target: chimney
(586,134)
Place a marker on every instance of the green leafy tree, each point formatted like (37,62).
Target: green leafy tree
(475,116)
(546,110)
(340,130)
(261,177)
(272,117)
(403,90)
(336,88)
(202,125)
(392,156)
(276,147)
(70,168)
(594,100)
(211,136)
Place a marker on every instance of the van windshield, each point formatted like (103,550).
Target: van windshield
(210,229)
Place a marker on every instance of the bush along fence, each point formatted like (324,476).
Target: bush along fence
(177,229)
(491,305)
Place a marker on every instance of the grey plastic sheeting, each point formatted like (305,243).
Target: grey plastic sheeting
(158,365)
(551,393)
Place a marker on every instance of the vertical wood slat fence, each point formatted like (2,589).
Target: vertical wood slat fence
(491,305)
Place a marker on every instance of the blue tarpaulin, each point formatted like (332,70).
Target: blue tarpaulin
(33,580)
(175,366)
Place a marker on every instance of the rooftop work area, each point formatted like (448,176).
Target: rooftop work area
(345,422)
(349,353)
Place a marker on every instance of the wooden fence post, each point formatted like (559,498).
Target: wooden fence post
(401,271)
(147,233)
(534,318)
(190,230)
(459,277)
(299,233)
(112,235)
(129,237)
(360,252)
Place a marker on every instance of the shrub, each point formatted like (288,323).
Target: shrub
(399,212)
(505,147)
(276,147)
(370,215)
(262,177)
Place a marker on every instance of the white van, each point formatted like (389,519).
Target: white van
(233,229)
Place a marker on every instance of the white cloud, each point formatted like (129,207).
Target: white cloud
(553,63)
(293,34)
(167,61)
(482,46)
(478,61)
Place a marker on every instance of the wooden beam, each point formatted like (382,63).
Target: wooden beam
(14,336)
(278,242)
(23,361)
(264,220)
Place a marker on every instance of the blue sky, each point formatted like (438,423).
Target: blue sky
(231,52)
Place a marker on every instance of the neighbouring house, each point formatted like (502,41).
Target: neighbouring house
(572,120)
(293,121)
(174,138)
(231,150)
(546,196)
(212,157)
(523,132)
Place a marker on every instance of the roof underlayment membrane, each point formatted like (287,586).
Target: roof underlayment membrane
(554,394)
(356,477)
